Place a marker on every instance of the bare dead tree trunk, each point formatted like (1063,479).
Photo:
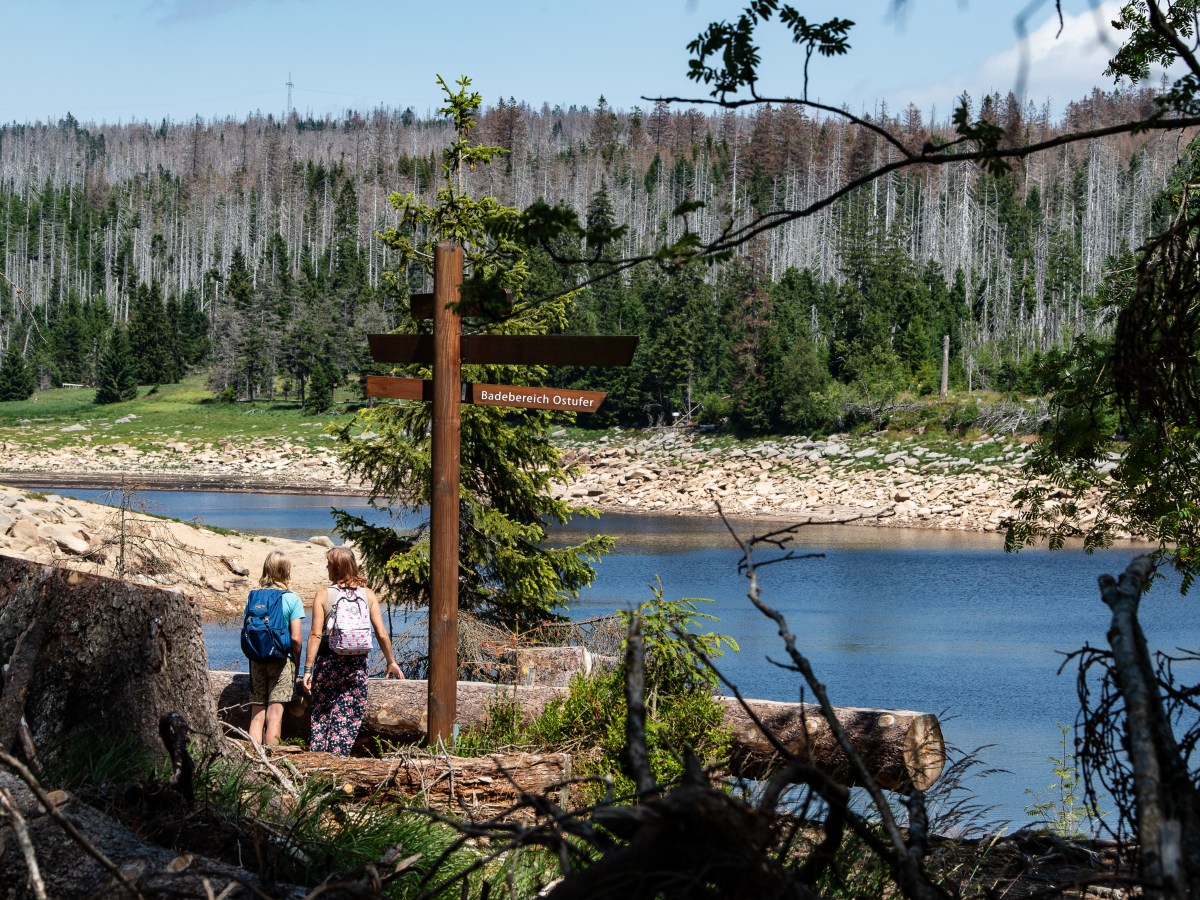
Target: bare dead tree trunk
(479,787)
(1168,811)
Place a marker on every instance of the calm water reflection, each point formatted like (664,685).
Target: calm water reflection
(928,620)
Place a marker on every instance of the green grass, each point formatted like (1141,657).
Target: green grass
(322,833)
(176,412)
(187,412)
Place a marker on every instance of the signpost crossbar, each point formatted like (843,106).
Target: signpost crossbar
(509,349)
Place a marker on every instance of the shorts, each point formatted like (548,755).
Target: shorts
(272,682)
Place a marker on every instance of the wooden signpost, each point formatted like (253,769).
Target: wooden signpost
(446,350)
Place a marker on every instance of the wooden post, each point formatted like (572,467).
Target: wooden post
(945,365)
(446,350)
(444,504)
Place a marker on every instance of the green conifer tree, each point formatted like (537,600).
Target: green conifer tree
(319,397)
(116,380)
(509,464)
(151,340)
(17,380)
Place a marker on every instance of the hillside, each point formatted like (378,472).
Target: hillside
(248,249)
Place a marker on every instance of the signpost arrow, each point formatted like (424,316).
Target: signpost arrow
(489,394)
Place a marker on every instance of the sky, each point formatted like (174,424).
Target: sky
(150,60)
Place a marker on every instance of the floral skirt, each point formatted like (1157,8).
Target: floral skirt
(339,697)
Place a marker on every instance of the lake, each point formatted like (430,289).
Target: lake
(936,621)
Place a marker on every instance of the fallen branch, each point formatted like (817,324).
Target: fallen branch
(481,786)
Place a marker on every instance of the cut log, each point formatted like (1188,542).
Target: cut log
(902,749)
(395,708)
(480,787)
(114,657)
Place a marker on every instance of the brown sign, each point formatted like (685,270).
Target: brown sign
(445,351)
(489,394)
(509,349)
(537,397)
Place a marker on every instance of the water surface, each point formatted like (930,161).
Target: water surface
(936,621)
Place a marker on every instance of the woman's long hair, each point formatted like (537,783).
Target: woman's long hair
(277,571)
(343,568)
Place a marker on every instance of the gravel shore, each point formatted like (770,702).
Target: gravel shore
(911,482)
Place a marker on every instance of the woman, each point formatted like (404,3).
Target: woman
(338,680)
(273,683)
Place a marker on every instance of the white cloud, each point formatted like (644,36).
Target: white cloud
(1048,64)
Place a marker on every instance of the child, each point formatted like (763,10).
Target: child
(272,683)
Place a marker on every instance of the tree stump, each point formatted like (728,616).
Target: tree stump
(113,658)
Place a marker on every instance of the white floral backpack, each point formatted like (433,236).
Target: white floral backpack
(350,623)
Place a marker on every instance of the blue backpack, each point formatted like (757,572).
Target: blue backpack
(265,636)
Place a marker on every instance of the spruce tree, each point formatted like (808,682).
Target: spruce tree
(319,396)
(509,464)
(116,380)
(17,380)
(151,340)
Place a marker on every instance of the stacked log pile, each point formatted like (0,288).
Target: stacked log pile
(901,748)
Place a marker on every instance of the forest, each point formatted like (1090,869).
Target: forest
(135,253)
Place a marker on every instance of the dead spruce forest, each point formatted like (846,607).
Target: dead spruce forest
(249,249)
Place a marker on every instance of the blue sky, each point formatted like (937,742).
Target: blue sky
(123,60)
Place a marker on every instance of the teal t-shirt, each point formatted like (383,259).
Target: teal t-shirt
(293,606)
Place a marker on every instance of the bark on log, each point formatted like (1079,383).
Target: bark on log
(481,787)
(114,659)
(395,708)
(903,749)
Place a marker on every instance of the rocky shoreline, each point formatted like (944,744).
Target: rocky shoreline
(875,480)
(939,483)
(214,568)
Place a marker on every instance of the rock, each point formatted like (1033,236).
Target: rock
(236,566)
(321,541)
(76,427)
(126,419)
(26,532)
(215,584)
(66,538)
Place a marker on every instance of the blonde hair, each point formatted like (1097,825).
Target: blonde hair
(343,568)
(277,571)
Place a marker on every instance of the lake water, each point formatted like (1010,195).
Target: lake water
(937,621)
